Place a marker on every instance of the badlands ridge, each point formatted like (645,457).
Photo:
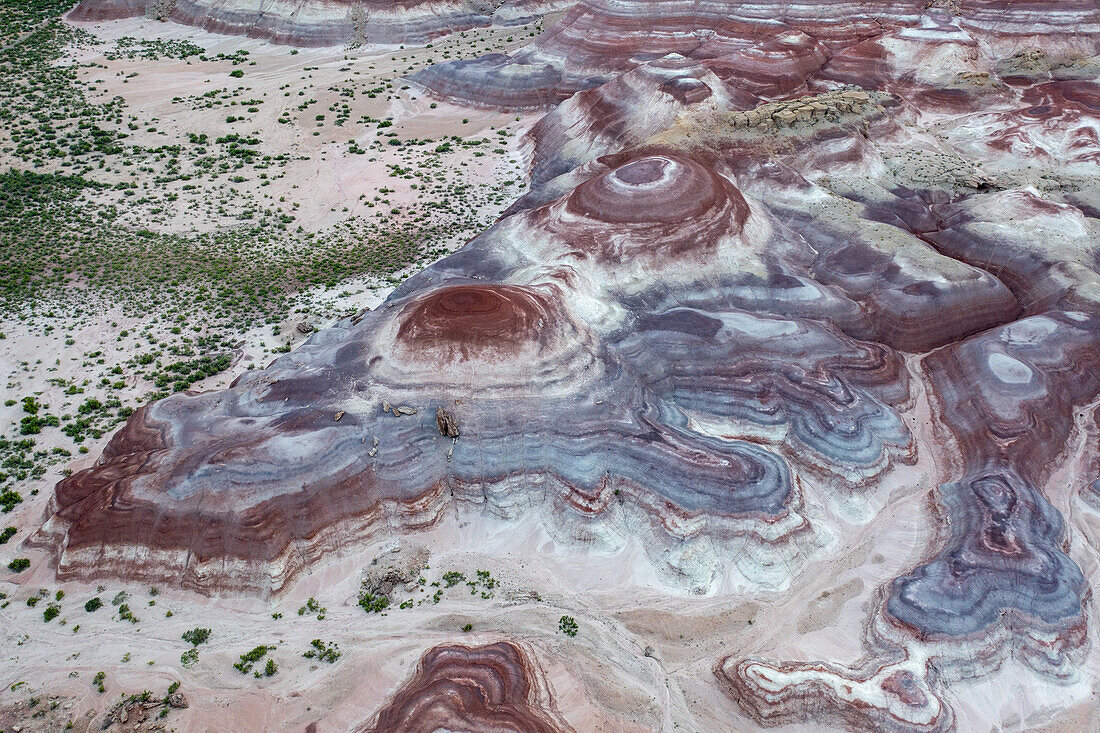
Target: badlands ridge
(789,278)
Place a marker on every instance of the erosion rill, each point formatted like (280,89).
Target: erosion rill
(795,286)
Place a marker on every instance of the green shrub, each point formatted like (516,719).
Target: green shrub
(372,603)
(313,607)
(251,657)
(567,625)
(323,652)
(194,637)
(8,500)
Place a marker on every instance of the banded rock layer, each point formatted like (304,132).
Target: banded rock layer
(322,22)
(769,49)
(493,688)
(781,267)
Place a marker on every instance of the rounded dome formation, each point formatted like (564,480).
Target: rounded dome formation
(462,322)
(499,337)
(623,113)
(657,189)
(456,687)
(664,205)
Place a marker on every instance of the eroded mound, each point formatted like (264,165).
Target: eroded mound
(787,288)
(659,190)
(636,211)
(478,321)
(495,687)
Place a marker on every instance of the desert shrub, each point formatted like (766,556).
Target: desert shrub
(323,652)
(567,625)
(194,637)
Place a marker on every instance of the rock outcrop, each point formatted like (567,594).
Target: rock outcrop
(322,22)
(768,49)
(495,687)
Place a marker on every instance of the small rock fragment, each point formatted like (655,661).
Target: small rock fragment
(448,426)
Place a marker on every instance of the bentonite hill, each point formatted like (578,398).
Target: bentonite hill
(646,365)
